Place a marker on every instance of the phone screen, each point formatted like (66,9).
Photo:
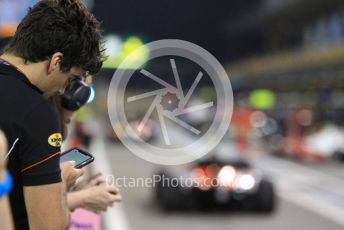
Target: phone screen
(80,157)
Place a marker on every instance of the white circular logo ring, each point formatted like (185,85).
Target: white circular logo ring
(199,147)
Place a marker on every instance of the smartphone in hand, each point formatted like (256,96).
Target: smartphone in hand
(81,157)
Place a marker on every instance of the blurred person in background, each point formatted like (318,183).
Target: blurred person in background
(5,185)
(90,193)
(56,42)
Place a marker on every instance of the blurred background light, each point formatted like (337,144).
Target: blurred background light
(262,99)
(118,49)
(226,176)
(246,182)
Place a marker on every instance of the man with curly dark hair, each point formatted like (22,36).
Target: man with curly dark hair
(57,41)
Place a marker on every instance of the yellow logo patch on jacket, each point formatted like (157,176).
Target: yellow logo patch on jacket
(55,140)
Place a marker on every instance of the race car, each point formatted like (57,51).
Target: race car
(215,183)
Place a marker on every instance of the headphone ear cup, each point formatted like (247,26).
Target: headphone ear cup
(76,95)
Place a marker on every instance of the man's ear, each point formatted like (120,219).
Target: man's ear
(54,62)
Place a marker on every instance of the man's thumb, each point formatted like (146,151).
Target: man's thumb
(72,163)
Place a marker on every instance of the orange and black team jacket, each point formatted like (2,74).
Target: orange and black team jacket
(31,125)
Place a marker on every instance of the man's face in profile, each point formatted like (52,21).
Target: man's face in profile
(58,80)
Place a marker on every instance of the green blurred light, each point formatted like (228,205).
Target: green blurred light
(117,51)
(262,99)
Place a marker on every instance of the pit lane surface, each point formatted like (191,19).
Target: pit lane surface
(295,183)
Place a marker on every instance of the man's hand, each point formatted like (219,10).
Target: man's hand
(101,197)
(95,199)
(70,174)
(83,183)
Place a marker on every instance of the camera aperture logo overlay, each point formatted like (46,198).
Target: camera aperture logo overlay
(171,104)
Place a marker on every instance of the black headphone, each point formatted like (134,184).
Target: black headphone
(75,95)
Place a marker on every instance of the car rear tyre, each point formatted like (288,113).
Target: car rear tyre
(266,197)
(169,198)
